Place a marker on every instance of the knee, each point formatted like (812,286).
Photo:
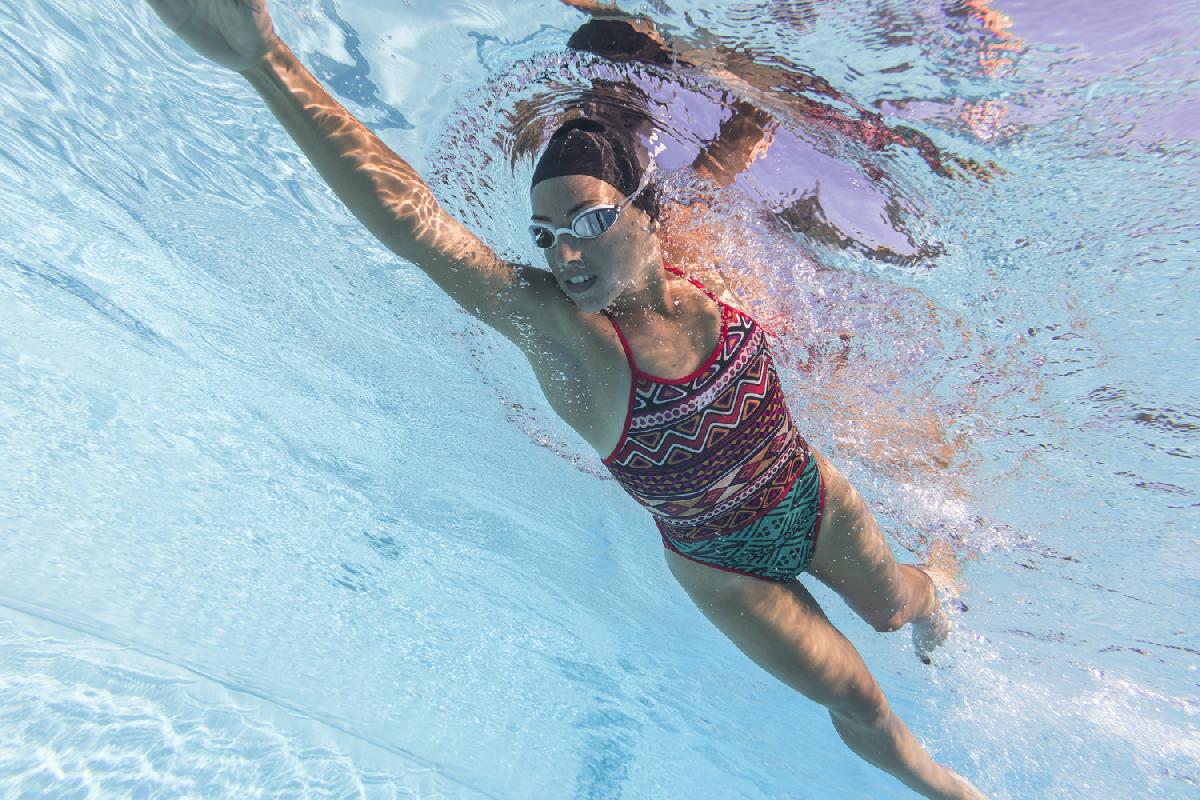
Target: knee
(864,712)
(859,704)
(887,623)
(915,597)
(885,618)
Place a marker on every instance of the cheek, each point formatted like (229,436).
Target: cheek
(621,239)
(631,244)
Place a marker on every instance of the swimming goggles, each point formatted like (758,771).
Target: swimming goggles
(587,224)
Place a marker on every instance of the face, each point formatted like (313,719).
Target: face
(593,272)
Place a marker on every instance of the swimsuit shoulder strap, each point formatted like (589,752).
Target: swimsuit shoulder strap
(693,281)
(720,302)
(621,333)
(624,345)
(633,367)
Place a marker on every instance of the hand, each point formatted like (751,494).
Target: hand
(596,8)
(234,33)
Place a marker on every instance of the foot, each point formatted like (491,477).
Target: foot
(927,634)
(943,573)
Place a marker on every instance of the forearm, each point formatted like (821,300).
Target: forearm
(742,139)
(379,187)
(596,8)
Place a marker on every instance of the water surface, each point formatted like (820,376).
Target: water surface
(280,520)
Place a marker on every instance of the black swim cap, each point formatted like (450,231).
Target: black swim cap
(618,39)
(589,147)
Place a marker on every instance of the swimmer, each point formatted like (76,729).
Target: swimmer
(674,388)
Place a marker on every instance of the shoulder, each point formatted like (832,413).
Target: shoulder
(550,329)
(577,358)
(529,308)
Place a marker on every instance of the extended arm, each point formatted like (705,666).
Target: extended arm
(597,8)
(379,187)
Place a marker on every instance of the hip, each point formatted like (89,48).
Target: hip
(777,546)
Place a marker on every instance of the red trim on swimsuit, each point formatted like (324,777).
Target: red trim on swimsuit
(633,374)
(675,550)
(715,450)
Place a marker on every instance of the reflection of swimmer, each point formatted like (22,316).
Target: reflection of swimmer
(676,387)
(769,80)
(985,118)
(746,133)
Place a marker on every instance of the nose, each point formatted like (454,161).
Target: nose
(567,249)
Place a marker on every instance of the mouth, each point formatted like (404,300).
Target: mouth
(578,284)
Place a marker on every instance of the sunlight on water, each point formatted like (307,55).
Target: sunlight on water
(280,520)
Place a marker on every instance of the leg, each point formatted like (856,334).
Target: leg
(853,559)
(782,629)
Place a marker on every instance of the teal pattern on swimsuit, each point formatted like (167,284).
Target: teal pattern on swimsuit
(777,546)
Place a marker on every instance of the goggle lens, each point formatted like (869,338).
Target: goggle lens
(591,224)
(588,225)
(542,237)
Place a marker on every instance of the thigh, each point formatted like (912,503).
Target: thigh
(851,556)
(780,626)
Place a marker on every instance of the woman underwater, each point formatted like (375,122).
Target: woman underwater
(675,389)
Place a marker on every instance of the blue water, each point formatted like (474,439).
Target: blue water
(279,520)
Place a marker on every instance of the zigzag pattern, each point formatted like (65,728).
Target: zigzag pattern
(657,403)
(717,452)
(709,423)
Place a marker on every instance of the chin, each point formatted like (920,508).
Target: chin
(593,302)
(588,305)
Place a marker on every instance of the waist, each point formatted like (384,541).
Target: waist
(717,492)
(750,531)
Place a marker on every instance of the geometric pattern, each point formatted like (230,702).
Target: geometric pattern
(778,546)
(715,451)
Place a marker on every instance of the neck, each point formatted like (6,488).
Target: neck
(656,297)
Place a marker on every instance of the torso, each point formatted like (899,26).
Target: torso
(691,421)
(713,450)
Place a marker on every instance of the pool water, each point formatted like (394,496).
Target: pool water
(279,520)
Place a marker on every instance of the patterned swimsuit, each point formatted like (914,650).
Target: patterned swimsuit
(716,460)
